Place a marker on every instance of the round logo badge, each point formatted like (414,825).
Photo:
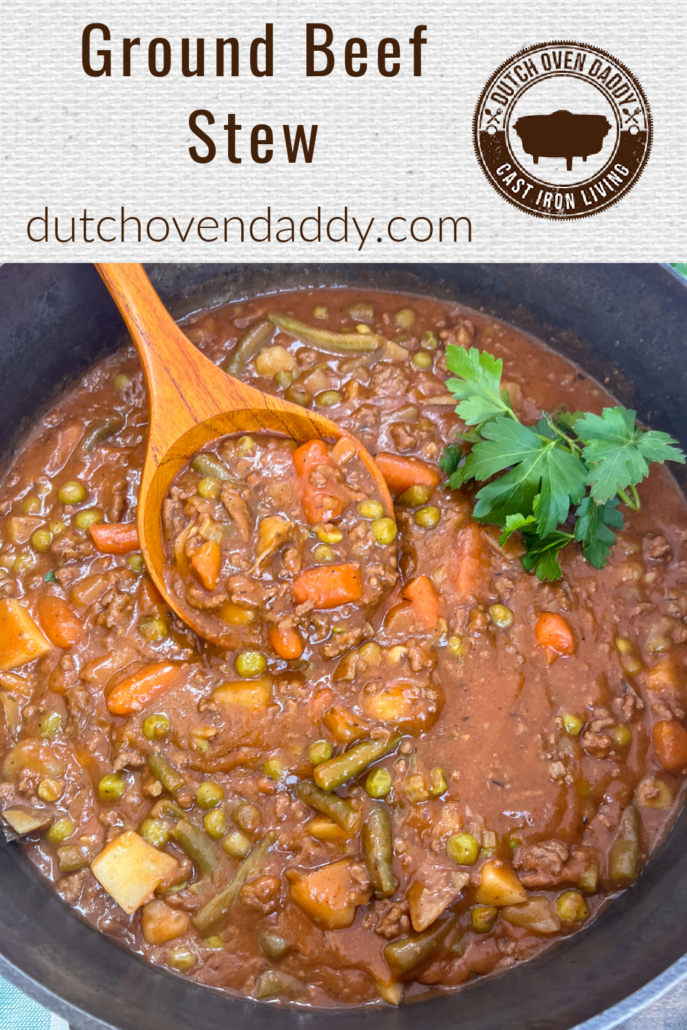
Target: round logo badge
(562,130)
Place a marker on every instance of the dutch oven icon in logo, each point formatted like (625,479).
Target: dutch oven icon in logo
(562,134)
(562,130)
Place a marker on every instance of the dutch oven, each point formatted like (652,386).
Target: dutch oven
(625,324)
(562,134)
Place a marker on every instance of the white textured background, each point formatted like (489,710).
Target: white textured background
(384,147)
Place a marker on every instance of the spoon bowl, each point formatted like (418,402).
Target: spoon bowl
(192,403)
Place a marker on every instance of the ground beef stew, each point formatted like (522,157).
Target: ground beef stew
(415,763)
(264,534)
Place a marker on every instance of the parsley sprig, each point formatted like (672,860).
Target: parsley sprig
(560,481)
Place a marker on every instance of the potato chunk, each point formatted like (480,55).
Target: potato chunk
(536,915)
(130,870)
(331,894)
(499,885)
(252,695)
(408,707)
(21,640)
(25,822)
(160,923)
(431,893)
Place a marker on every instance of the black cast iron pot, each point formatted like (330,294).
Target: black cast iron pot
(626,324)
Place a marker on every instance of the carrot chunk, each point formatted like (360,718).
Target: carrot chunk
(115,537)
(402,473)
(285,641)
(59,622)
(328,586)
(471,562)
(670,744)
(206,562)
(424,598)
(320,504)
(554,633)
(142,687)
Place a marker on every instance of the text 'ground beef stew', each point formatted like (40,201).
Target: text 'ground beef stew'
(430,780)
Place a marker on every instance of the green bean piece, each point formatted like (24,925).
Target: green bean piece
(197,846)
(378,851)
(414,496)
(343,767)
(101,430)
(72,858)
(623,858)
(339,810)
(251,342)
(170,778)
(406,953)
(274,946)
(166,809)
(210,467)
(325,339)
(217,907)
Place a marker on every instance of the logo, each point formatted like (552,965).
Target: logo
(562,130)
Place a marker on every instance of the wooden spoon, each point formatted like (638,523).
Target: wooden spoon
(193,402)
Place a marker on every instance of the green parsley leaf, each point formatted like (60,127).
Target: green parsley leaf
(618,452)
(542,554)
(478,386)
(594,529)
(49,577)
(450,463)
(539,466)
(514,523)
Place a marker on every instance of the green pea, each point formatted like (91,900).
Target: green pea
(414,496)
(319,752)
(371,509)
(428,517)
(429,340)
(215,823)
(384,530)
(246,445)
(298,394)
(153,628)
(438,784)
(209,488)
(482,918)
(181,959)
(111,787)
(273,768)
(320,312)
(31,505)
(421,359)
(236,845)
(155,727)
(214,942)
(72,492)
(501,616)
(156,831)
(572,724)
(121,381)
(463,849)
(455,645)
(329,534)
(50,790)
(404,318)
(571,907)
(136,563)
(209,795)
(378,783)
(250,663)
(57,527)
(89,517)
(41,540)
(327,398)
(50,725)
(60,830)
(621,735)
(323,553)
(23,562)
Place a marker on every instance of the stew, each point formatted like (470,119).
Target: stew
(415,763)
